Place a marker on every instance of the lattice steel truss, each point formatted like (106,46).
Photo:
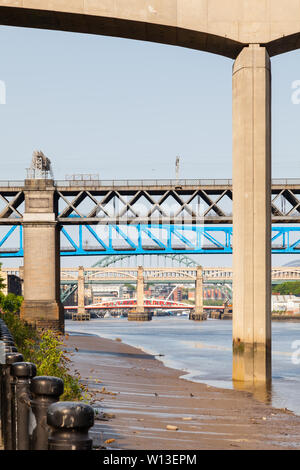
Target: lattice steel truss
(144,203)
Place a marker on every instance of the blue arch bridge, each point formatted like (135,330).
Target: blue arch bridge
(143,239)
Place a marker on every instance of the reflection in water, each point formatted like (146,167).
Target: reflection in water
(262,392)
(203,351)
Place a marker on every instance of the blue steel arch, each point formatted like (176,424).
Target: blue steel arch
(206,240)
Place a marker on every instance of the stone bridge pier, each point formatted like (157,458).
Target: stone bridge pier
(41,306)
(198,313)
(140,314)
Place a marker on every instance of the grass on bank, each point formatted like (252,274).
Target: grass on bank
(46,350)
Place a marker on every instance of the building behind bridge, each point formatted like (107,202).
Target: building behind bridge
(13,284)
(287,304)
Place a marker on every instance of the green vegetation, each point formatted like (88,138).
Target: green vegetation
(286,288)
(23,333)
(45,349)
(10,303)
(52,359)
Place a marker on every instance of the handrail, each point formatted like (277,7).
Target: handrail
(146,182)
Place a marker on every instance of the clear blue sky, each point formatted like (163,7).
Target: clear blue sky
(125,109)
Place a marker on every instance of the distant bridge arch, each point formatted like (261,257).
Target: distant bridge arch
(106,261)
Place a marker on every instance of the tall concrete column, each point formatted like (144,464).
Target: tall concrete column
(139,314)
(198,313)
(41,306)
(252,216)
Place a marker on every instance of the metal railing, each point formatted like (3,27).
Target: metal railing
(167,182)
(71,183)
(12,184)
(32,417)
(145,182)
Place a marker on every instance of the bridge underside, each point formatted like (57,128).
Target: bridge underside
(119,27)
(210,25)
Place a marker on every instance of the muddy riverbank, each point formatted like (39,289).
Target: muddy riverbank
(144,405)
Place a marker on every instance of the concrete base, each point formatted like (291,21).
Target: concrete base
(197,316)
(43,315)
(251,363)
(142,316)
(81,316)
(226,316)
(216,315)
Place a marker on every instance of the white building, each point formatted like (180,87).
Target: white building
(285,303)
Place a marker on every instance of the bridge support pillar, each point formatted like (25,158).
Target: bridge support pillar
(81,313)
(140,314)
(198,313)
(252,216)
(41,306)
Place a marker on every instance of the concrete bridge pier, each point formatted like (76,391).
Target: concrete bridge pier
(198,314)
(252,216)
(140,314)
(81,314)
(41,306)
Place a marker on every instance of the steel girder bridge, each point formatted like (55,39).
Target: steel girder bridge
(148,217)
(148,201)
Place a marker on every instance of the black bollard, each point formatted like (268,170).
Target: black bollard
(8,341)
(69,425)
(6,399)
(6,332)
(45,391)
(6,337)
(10,349)
(22,373)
